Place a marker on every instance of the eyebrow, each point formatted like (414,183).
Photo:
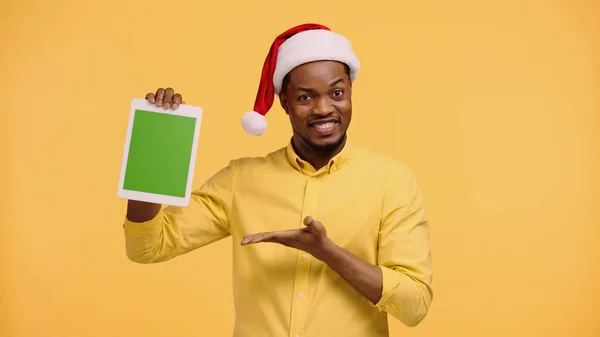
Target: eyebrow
(331,85)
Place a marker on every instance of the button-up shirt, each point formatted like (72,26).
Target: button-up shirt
(370,205)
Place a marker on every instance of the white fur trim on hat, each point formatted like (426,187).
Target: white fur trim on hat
(313,45)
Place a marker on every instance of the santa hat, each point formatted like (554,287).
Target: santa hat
(294,47)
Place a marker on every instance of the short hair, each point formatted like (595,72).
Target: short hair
(286,78)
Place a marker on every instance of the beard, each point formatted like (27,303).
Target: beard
(324,148)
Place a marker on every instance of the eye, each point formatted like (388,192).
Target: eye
(304,97)
(338,93)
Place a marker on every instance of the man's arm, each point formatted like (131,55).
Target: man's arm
(313,239)
(401,282)
(404,255)
(363,276)
(156,234)
(389,287)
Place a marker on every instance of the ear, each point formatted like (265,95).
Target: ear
(283,102)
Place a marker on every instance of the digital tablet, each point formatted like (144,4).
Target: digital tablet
(160,153)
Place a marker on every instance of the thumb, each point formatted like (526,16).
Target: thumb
(313,225)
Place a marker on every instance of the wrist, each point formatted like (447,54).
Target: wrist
(328,251)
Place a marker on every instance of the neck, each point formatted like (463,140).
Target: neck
(315,156)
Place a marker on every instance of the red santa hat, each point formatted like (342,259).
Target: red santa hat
(294,47)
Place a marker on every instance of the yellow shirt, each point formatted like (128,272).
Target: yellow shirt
(369,204)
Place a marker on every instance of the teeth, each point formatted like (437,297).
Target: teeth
(325,126)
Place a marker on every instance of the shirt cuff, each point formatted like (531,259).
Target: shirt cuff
(403,297)
(145,228)
(391,281)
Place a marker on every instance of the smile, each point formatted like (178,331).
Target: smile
(324,128)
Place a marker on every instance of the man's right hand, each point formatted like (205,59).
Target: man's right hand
(166,98)
(139,211)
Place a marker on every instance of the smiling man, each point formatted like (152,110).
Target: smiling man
(319,124)
(329,238)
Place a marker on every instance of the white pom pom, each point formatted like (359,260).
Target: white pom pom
(254,123)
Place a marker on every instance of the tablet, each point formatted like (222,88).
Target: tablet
(160,153)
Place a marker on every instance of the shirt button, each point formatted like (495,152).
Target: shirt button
(314,178)
(300,295)
(304,257)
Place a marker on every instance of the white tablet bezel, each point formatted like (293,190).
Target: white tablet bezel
(182,110)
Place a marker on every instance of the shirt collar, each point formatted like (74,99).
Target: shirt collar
(340,160)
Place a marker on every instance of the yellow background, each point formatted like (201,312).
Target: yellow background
(493,104)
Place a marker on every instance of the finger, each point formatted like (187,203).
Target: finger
(168,100)
(310,223)
(253,238)
(282,237)
(308,220)
(160,94)
(314,225)
(276,237)
(151,98)
(176,101)
(247,238)
(263,237)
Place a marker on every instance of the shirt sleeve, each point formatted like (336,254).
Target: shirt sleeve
(404,251)
(178,230)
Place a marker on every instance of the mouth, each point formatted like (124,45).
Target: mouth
(324,127)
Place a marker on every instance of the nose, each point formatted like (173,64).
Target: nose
(323,107)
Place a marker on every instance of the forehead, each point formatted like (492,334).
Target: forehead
(317,72)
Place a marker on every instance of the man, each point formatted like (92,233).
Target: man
(328,237)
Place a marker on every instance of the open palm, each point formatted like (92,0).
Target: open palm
(310,239)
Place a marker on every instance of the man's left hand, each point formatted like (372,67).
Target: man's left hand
(312,239)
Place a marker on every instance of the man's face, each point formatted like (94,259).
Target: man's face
(318,102)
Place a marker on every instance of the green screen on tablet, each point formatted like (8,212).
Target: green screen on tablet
(159,153)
